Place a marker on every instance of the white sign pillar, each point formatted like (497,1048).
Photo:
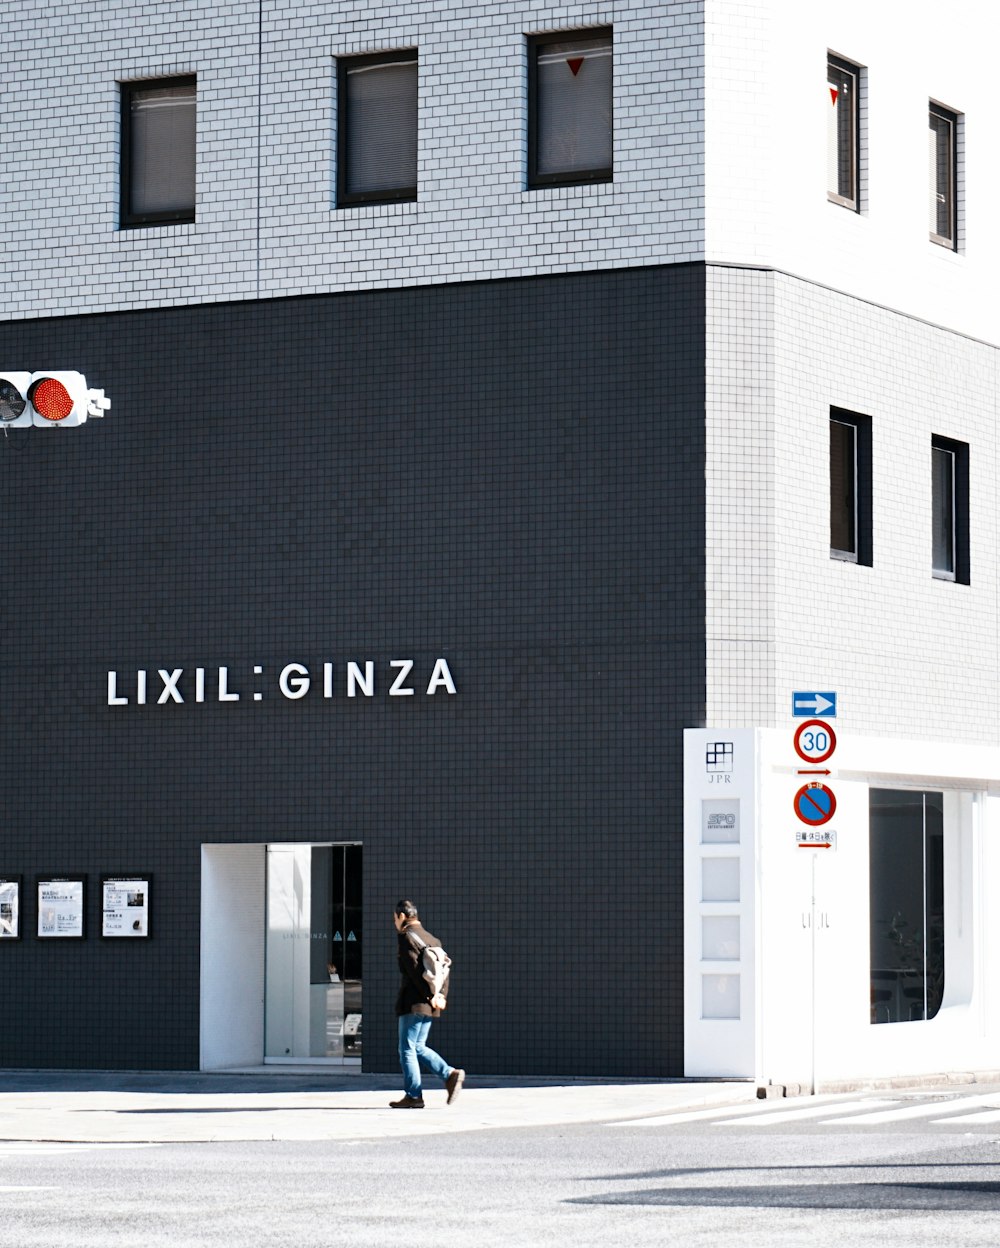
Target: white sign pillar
(720,902)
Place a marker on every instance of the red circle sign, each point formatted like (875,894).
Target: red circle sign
(815,804)
(815,740)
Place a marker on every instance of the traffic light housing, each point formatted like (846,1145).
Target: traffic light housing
(48,400)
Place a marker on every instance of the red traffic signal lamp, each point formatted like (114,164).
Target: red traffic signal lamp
(48,400)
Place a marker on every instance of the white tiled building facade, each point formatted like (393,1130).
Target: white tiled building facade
(720,159)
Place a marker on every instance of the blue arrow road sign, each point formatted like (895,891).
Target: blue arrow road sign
(808,702)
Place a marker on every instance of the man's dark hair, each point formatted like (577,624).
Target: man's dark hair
(406,908)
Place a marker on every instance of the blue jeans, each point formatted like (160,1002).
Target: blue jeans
(413,1032)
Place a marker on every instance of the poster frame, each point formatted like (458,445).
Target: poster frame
(53,878)
(120,877)
(18,882)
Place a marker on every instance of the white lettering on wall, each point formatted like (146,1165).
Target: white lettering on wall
(170,689)
(441,678)
(398,689)
(356,681)
(360,679)
(224,694)
(294,681)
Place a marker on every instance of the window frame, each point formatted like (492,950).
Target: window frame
(843,66)
(959,451)
(947,115)
(539,181)
(861,487)
(351,199)
(127,219)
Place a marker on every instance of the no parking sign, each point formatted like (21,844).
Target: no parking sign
(815,804)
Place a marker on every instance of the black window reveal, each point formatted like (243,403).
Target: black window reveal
(842,135)
(570,109)
(377,128)
(950,510)
(850,487)
(906,895)
(943,177)
(158,152)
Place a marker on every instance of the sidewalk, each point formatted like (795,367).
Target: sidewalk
(161,1108)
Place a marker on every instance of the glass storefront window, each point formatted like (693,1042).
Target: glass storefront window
(906,893)
(312,1007)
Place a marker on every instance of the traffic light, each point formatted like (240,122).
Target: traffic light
(48,400)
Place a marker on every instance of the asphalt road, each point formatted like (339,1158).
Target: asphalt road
(804,1172)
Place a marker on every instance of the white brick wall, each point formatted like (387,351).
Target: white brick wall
(910,656)
(765,171)
(60,249)
(719,150)
(266,222)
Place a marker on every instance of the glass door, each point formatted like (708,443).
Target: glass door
(312,993)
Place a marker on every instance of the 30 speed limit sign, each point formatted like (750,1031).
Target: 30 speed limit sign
(815,741)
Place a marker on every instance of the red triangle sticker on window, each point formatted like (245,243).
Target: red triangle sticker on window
(833,96)
(574,62)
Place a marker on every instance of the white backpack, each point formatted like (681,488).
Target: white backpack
(437,968)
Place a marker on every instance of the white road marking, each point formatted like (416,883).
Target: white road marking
(926,1109)
(753,1110)
(829,1111)
(972,1119)
(804,1111)
(59,1148)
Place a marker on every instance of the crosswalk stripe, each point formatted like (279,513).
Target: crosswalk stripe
(804,1111)
(924,1110)
(986,1116)
(43,1148)
(752,1111)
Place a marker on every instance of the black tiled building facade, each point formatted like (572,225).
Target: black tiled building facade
(509,476)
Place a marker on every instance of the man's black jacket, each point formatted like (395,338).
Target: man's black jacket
(415,991)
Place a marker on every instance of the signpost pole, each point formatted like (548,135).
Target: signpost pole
(812,926)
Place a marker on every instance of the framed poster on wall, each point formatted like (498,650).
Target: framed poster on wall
(60,907)
(10,907)
(125,905)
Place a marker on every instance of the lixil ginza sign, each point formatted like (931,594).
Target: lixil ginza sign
(166,686)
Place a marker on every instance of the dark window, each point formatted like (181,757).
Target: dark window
(569,109)
(377,128)
(950,510)
(158,152)
(850,487)
(943,177)
(842,139)
(906,896)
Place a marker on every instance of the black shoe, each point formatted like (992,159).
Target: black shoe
(454,1084)
(408,1102)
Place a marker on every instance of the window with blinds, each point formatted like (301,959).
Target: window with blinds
(842,132)
(942,176)
(570,109)
(158,152)
(377,128)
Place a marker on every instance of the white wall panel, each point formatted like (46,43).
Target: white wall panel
(232,955)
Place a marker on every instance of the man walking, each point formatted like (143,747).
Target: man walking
(416,1013)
